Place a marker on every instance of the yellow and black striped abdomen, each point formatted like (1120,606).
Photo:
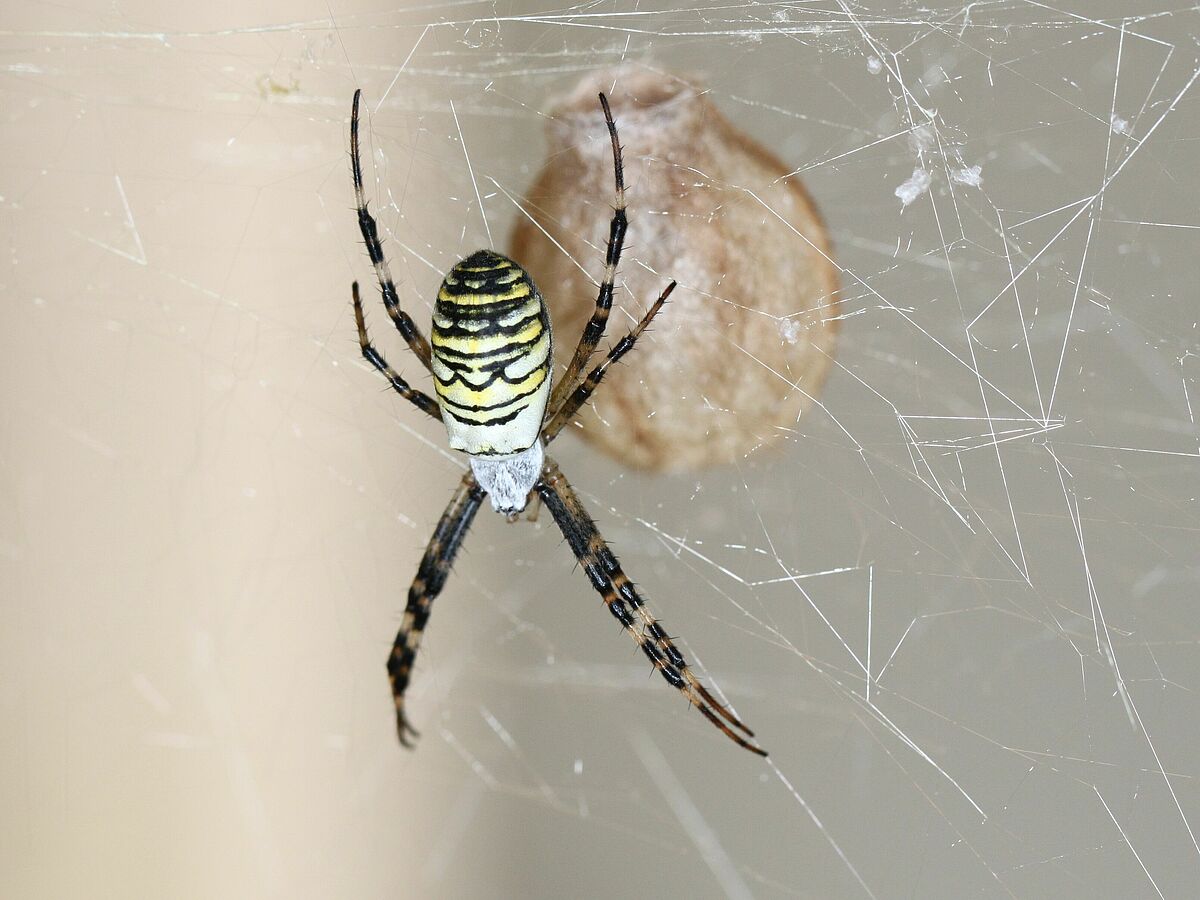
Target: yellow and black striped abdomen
(491,345)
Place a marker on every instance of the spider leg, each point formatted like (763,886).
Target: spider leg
(370,232)
(627,606)
(431,578)
(594,330)
(419,399)
(575,401)
(534,509)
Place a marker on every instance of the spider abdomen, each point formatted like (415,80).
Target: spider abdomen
(491,347)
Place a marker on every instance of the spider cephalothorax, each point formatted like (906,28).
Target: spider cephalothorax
(490,358)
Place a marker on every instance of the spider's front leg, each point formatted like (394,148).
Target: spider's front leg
(594,329)
(431,578)
(419,399)
(627,606)
(370,232)
(575,400)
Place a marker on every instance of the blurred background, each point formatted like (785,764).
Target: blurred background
(957,600)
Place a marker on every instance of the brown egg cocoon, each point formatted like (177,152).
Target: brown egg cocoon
(747,336)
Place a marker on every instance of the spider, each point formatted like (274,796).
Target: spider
(490,357)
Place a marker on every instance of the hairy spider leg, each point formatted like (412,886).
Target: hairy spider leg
(419,399)
(573,403)
(594,330)
(366,223)
(624,602)
(431,578)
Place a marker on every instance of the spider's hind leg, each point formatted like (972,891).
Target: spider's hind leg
(628,607)
(431,578)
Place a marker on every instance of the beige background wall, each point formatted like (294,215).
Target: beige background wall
(210,510)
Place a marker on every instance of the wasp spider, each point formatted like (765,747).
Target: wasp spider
(490,357)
